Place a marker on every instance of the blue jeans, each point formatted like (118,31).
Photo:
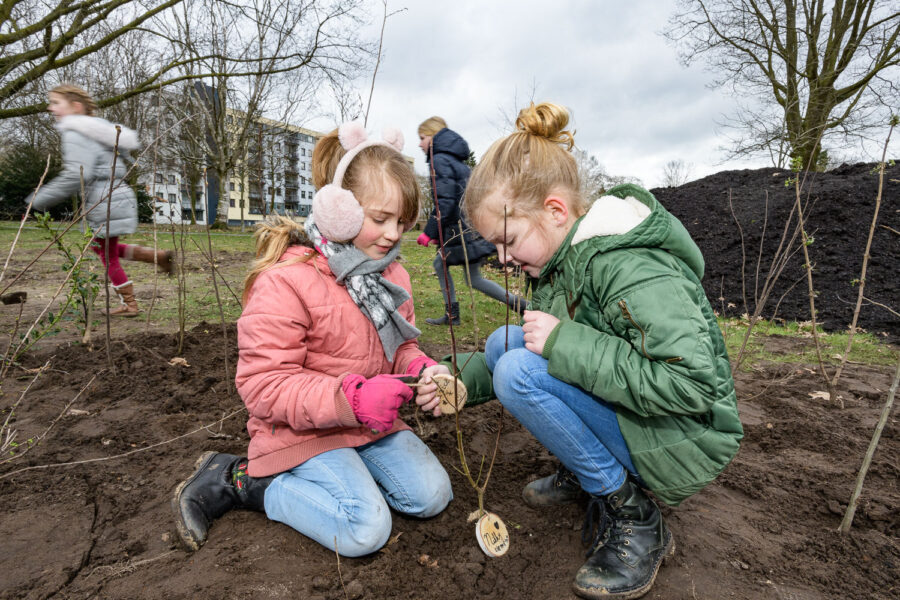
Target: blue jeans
(580,429)
(341,498)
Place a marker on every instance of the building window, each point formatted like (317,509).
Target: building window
(231,186)
(158,178)
(231,201)
(171,180)
(303,195)
(303,166)
(171,197)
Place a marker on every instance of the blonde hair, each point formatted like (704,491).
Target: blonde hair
(273,236)
(73,93)
(529,164)
(364,169)
(432,125)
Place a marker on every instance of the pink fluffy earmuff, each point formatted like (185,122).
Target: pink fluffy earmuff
(336,212)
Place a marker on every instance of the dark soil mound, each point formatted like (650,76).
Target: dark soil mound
(839,209)
(764,531)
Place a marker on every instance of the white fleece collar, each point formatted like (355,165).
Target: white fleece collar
(611,215)
(100,130)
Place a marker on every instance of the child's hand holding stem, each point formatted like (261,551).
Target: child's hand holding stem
(426,390)
(537,327)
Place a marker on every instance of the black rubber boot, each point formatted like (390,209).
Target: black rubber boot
(452,312)
(218,484)
(628,546)
(554,490)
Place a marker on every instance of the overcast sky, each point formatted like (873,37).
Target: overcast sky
(634,106)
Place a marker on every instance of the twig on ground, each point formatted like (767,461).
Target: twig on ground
(37,439)
(337,555)
(124,454)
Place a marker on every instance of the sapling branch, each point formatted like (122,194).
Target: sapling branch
(112,181)
(847,521)
(22,222)
(219,303)
(805,243)
(865,263)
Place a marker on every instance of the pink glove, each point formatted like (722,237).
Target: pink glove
(416,365)
(375,401)
(423,240)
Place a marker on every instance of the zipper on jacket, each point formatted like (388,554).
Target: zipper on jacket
(627,314)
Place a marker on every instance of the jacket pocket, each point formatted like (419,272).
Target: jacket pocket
(635,331)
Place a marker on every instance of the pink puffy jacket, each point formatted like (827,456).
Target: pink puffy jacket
(300,333)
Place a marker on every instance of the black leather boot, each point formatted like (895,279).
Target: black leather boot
(628,546)
(451,313)
(554,490)
(218,484)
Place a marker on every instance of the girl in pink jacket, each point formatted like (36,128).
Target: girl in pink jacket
(327,332)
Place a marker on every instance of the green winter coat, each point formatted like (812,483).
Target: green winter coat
(637,330)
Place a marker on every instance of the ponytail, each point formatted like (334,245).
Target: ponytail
(273,236)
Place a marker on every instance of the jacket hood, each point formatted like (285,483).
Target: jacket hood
(628,216)
(100,130)
(448,141)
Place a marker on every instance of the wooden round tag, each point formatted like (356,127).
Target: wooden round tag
(492,535)
(452,393)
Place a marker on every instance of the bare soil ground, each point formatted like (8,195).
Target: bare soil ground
(103,529)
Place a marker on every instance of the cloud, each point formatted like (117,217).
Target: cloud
(476,63)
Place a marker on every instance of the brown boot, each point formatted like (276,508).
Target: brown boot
(128,306)
(162,258)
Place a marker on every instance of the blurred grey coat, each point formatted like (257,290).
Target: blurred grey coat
(89,142)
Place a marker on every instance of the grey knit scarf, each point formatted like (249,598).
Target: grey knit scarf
(375,296)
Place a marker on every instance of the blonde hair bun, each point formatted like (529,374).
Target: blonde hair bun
(546,120)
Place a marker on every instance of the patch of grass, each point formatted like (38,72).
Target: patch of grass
(480,315)
(792,342)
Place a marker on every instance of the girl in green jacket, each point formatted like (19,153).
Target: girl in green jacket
(619,369)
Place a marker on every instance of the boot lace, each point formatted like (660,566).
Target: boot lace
(564,476)
(596,524)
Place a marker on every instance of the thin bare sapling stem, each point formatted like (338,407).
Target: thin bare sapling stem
(112,182)
(475,481)
(385,17)
(22,222)
(743,254)
(805,242)
(216,271)
(847,521)
(865,262)
(780,259)
(153,200)
(218,299)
